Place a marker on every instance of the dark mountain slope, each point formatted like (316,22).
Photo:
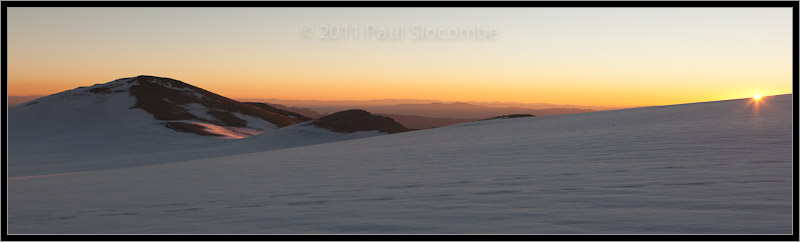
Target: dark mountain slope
(358,120)
(163,98)
(273,108)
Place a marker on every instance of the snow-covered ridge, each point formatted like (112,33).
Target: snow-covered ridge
(119,123)
(113,87)
(172,100)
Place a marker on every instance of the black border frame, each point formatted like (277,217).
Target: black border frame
(404,237)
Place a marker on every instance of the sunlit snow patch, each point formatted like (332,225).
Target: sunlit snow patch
(226,132)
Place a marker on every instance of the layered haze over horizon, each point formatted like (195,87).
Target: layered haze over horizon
(606,57)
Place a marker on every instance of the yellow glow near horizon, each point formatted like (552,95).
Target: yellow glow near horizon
(593,57)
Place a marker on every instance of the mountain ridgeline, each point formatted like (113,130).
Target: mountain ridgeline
(185,108)
(165,97)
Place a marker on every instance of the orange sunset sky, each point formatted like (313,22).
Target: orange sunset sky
(581,56)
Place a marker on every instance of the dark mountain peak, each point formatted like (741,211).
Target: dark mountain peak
(124,84)
(163,81)
(507,116)
(354,120)
(170,99)
(352,113)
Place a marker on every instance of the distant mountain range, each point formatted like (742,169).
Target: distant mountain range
(464,110)
(412,113)
(455,111)
(423,113)
(388,102)
(409,121)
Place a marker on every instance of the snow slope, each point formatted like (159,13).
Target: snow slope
(715,167)
(101,127)
(102,149)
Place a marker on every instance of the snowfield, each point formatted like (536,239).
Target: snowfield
(705,168)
